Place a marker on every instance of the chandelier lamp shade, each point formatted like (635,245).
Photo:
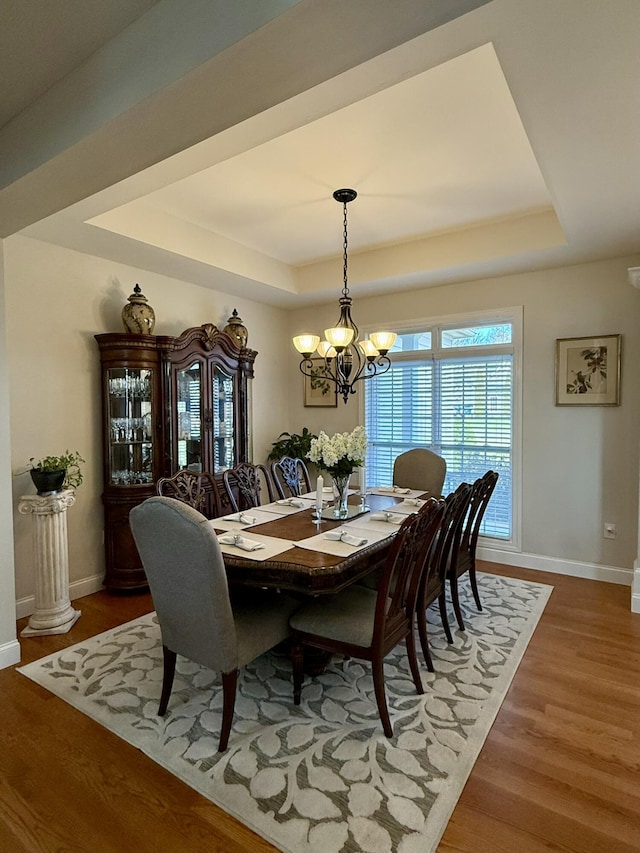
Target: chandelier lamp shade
(347,359)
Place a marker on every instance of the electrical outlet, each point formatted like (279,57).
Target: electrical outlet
(609,530)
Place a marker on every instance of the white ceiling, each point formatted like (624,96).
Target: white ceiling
(503,141)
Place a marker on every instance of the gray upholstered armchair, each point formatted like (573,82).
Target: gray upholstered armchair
(420,469)
(184,566)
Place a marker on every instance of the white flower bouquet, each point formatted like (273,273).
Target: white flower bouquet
(341,453)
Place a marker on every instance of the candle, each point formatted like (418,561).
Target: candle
(319,487)
(363,481)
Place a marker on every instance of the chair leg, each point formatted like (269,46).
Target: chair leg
(444,616)
(421,616)
(455,601)
(381,699)
(410,643)
(474,586)
(229,685)
(297,660)
(169,670)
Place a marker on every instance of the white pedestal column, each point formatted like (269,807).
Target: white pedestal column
(54,613)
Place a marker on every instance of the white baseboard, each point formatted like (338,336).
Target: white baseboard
(9,654)
(635,589)
(591,571)
(77,589)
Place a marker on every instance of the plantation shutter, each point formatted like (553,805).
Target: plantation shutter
(459,406)
(476,429)
(398,416)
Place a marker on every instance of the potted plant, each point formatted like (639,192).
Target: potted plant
(52,473)
(294,444)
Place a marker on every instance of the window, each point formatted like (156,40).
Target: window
(451,388)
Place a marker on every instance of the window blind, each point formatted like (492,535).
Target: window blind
(459,407)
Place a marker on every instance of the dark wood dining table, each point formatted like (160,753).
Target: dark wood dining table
(305,571)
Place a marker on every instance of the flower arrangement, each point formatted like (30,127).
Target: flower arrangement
(341,453)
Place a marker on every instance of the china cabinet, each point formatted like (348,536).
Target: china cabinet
(168,403)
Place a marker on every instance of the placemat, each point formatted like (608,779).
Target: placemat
(227,522)
(342,549)
(272,547)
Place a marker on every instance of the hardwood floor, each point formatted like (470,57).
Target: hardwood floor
(560,769)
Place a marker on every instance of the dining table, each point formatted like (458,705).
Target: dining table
(299,552)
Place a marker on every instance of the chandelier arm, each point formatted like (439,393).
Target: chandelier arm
(306,367)
(373,368)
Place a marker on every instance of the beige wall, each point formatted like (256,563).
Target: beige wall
(580,465)
(57,300)
(9,648)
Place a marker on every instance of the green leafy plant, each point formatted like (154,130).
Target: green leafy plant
(69,461)
(296,444)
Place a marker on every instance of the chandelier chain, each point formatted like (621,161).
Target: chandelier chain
(345,287)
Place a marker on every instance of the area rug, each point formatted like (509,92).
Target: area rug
(321,777)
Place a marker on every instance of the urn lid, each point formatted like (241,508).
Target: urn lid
(137,295)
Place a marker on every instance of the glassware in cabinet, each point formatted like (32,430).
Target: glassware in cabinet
(224,422)
(130,419)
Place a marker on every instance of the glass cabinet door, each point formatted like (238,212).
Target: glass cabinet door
(130,405)
(223,421)
(189,416)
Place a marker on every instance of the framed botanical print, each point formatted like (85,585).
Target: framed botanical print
(318,389)
(588,371)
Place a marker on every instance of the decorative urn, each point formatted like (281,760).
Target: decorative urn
(236,330)
(138,316)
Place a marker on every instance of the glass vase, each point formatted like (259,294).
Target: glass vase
(340,495)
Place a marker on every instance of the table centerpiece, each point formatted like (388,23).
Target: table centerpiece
(340,455)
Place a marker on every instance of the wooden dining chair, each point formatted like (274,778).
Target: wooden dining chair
(366,623)
(437,564)
(421,469)
(184,566)
(465,560)
(244,485)
(290,474)
(195,488)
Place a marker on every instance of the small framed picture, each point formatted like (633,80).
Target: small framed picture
(318,389)
(588,371)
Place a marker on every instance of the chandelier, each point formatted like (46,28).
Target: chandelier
(347,359)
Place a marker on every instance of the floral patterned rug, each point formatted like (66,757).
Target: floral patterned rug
(321,776)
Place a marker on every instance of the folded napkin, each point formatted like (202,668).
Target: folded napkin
(413,502)
(343,536)
(294,502)
(397,490)
(241,518)
(240,542)
(391,517)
